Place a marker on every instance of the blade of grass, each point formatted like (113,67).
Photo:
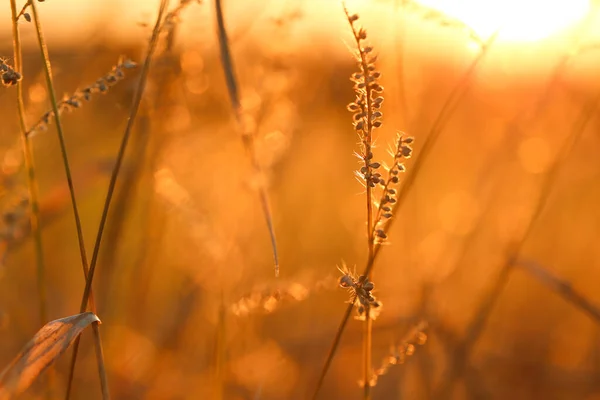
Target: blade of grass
(41,352)
(443,116)
(247,135)
(115,172)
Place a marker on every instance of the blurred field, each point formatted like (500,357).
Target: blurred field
(185,289)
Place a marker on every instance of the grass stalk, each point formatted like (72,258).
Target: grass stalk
(247,134)
(365,90)
(30,170)
(32,186)
(63,148)
(442,118)
(367,356)
(115,172)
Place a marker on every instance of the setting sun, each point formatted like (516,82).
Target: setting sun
(517,20)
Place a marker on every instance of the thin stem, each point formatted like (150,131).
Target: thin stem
(561,286)
(120,156)
(34,217)
(367,338)
(100,361)
(247,135)
(367,140)
(30,168)
(368,321)
(334,346)
(59,129)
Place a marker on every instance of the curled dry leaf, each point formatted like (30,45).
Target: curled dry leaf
(41,351)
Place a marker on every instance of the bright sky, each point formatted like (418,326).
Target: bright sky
(522,20)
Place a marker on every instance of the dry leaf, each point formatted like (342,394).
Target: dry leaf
(41,351)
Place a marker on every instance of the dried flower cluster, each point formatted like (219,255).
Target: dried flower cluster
(401,151)
(399,352)
(74,101)
(367,116)
(366,107)
(360,288)
(10,77)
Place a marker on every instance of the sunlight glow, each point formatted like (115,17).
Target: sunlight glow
(519,20)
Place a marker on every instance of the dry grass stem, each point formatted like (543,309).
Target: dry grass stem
(33,201)
(244,128)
